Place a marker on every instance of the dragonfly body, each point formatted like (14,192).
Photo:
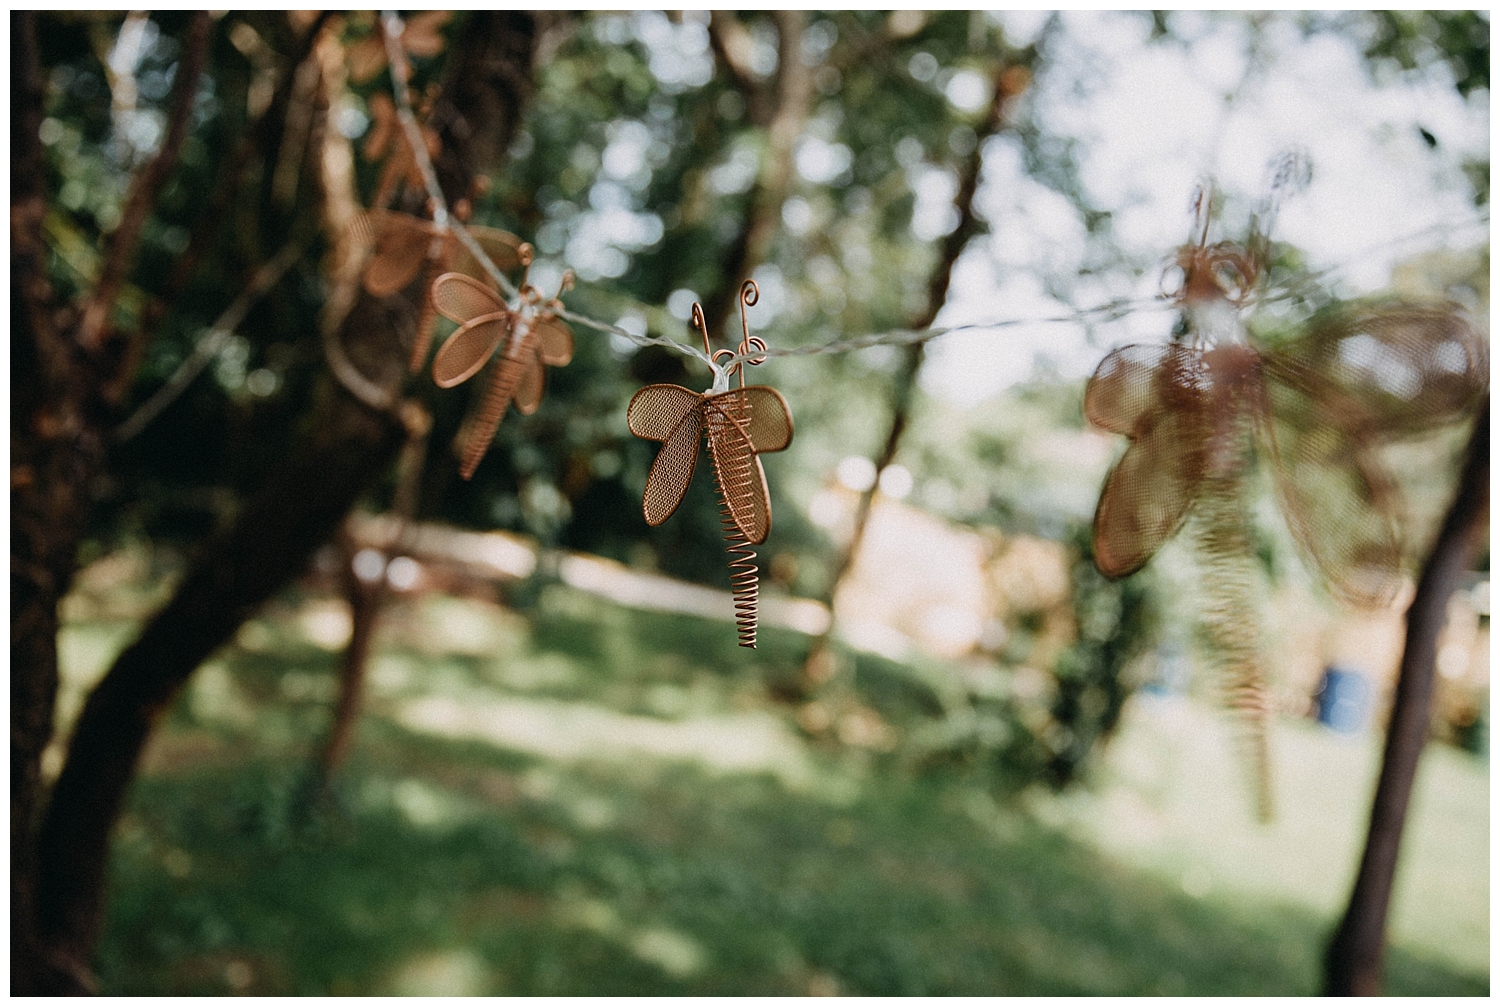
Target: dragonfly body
(517,377)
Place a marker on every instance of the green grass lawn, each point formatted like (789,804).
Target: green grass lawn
(590,800)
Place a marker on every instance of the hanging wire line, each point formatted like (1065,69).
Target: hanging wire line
(393,27)
(216,337)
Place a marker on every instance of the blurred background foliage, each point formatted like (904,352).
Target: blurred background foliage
(639,166)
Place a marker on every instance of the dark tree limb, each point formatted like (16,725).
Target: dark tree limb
(295,512)
(119,252)
(782,106)
(215,213)
(299,507)
(731,43)
(1352,961)
(365,599)
(56,448)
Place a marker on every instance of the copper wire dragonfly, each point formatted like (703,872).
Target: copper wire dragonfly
(1318,406)
(404,244)
(739,424)
(388,139)
(527,337)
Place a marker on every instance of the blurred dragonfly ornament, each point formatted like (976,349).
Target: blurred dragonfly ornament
(387,137)
(421,35)
(739,424)
(1318,406)
(403,244)
(527,337)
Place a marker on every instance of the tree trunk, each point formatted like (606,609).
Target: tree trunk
(365,599)
(62,358)
(44,498)
(1352,961)
(818,667)
(296,510)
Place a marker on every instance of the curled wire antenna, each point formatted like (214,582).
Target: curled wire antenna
(749,296)
(701,324)
(752,349)
(1288,174)
(1200,273)
(569,278)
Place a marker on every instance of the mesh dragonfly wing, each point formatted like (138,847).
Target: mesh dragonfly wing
(502,247)
(1410,366)
(459,298)
(673,469)
(468,349)
(554,341)
(764,414)
(401,245)
(1339,502)
(529,390)
(1159,397)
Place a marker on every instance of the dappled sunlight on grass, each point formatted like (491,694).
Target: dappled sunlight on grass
(578,798)
(744,743)
(1170,799)
(598,880)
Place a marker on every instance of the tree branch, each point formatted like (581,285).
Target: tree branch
(120,250)
(366,598)
(792,105)
(215,212)
(1352,961)
(818,667)
(731,44)
(38,570)
(208,347)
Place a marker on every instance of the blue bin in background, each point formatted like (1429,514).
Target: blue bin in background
(1173,674)
(1343,700)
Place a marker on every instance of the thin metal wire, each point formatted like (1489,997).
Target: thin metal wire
(1109,311)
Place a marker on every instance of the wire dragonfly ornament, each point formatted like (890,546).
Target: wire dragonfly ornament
(403,244)
(739,424)
(530,333)
(1318,406)
(388,140)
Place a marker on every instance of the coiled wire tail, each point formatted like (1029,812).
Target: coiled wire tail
(735,475)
